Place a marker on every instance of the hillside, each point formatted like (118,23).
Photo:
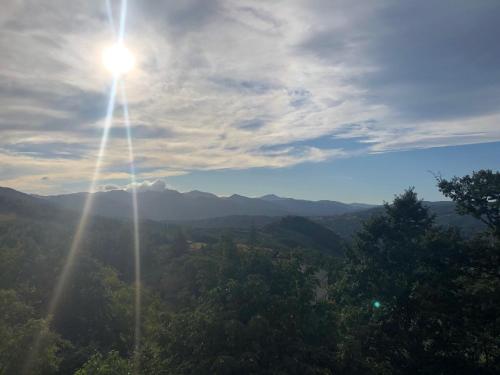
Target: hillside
(15,203)
(298,232)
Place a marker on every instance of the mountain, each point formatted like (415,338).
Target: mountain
(15,203)
(346,225)
(199,194)
(197,205)
(313,208)
(197,209)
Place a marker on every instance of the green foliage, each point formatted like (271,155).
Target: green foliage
(111,364)
(253,237)
(257,316)
(438,296)
(18,332)
(477,195)
(293,232)
(180,245)
(406,297)
(98,308)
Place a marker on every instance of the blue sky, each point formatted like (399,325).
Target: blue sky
(316,99)
(365,178)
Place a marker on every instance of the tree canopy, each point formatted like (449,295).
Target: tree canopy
(405,296)
(477,195)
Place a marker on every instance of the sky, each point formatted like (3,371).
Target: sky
(314,99)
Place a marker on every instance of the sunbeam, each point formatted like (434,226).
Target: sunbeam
(137,254)
(88,203)
(87,208)
(82,224)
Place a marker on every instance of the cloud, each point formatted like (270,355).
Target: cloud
(153,185)
(222,84)
(156,185)
(110,187)
(424,60)
(48,150)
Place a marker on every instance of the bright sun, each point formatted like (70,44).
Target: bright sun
(118,59)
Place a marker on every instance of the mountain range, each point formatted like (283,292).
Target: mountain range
(205,210)
(196,205)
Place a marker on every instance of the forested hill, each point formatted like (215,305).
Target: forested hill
(13,202)
(299,232)
(406,296)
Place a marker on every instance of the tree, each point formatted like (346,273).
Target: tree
(259,317)
(228,247)
(479,280)
(396,297)
(252,236)
(97,313)
(111,364)
(477,195)
(180,245)
(19,329)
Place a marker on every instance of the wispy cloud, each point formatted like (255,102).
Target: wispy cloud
(226,84)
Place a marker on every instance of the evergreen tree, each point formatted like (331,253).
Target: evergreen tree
(179,245)
(395,292)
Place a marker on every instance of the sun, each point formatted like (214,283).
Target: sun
(118,59)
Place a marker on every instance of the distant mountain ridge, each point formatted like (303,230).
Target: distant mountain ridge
(204,210)
(196,205)
(348,224)
(314,208)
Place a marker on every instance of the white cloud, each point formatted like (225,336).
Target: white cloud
(153,185)
(156,185)
(218,85)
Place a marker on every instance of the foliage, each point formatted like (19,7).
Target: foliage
(407,296)
(477,195)
(294,232)
(19,329)
(437,298)
(111,364)
(257,317)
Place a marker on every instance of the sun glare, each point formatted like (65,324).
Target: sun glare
(118,59)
